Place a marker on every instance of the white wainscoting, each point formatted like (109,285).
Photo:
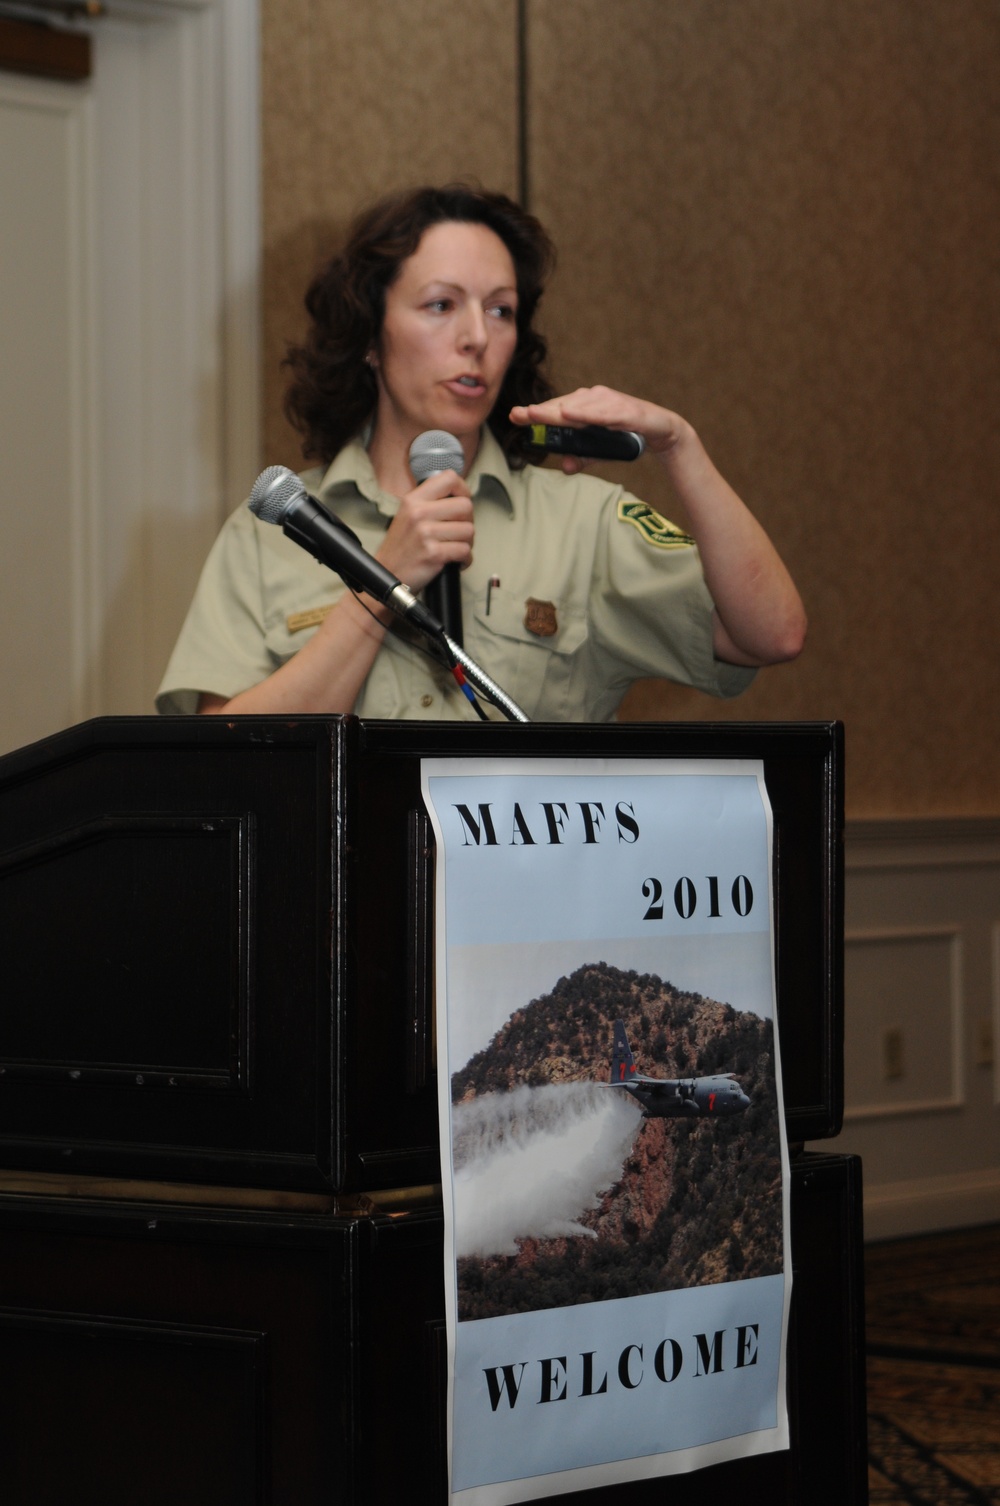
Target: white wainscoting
(922,958)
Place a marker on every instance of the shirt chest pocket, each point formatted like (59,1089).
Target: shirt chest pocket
(532,648)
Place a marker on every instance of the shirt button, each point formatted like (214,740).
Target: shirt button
(427,700)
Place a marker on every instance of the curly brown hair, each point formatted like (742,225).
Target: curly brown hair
(332,392)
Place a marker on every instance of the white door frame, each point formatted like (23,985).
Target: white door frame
(163,224)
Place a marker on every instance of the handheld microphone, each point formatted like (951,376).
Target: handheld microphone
(592,442)
(278,496)
(436,450)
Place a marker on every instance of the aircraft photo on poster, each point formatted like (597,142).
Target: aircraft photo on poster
(615,1179)
(575,1187)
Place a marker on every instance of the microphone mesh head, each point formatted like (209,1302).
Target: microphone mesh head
(273,493)
(435,450)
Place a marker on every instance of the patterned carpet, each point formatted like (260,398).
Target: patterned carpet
(933,1308)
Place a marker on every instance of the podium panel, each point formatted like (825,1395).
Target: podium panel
(228,1358)
(215,940)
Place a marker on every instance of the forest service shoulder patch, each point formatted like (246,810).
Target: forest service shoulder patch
(654,528)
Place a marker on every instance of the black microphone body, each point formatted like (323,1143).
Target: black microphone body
(278,496)
(431,452)
(443,599)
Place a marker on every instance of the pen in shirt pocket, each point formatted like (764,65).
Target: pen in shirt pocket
(494,582)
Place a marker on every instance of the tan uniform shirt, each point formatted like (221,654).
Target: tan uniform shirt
(575,590)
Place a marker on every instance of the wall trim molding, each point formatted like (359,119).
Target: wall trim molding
(922,841)
(953,935)
(933,881)
(955,1201)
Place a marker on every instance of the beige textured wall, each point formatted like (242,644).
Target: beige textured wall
(781,217)
(357,99)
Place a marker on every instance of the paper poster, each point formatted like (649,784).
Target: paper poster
(614,1170)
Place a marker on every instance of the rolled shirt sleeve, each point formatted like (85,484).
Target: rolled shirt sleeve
(239,629)
(651,611)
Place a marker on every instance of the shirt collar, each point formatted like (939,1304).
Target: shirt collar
(351,470)
(490,475)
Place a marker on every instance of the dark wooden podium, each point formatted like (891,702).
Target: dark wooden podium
(220,1233)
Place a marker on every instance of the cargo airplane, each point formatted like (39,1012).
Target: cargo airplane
(674,1097)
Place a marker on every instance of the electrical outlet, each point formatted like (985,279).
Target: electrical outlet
(984,1042)
(892,1053)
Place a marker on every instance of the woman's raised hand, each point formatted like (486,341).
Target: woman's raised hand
(659,427)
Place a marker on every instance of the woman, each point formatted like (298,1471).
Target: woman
(571,588)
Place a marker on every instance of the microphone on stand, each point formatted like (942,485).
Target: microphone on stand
(279,497)
(433,451)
